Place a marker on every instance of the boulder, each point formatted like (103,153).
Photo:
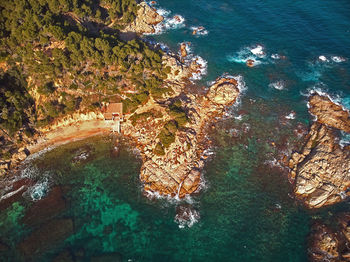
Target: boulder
(183,50)
(224,91)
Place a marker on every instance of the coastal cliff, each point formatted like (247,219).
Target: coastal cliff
(322,168)
(146,20)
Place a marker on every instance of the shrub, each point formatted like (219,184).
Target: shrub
(159,150)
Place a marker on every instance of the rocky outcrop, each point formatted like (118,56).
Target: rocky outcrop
(146,20)
(322,169)
(327,244)
(323,244)
(178,171)
(329,113)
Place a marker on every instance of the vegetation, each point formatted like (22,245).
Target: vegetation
(72,55)
(168,133)
(16,105)
(137,118)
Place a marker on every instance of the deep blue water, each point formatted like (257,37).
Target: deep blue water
(246,209)
(300,30)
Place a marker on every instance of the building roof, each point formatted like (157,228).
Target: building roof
(113,109)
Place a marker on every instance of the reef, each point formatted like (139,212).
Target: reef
(322,168)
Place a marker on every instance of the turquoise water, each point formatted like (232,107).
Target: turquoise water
(245,211)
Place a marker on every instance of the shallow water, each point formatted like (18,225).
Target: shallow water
(245,211)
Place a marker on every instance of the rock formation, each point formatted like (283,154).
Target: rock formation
(178,171)
(146,20)
(329,113)
(327,244)
(322,169)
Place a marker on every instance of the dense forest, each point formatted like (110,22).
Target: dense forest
(59,56)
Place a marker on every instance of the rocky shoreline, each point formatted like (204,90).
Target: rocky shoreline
(322,168)
(177,173)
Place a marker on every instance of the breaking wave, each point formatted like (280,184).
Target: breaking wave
(279,85)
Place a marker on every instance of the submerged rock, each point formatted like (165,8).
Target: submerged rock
(109,257)
(322,168)
(330,244)
(47,208)
(186,215)
(45,238)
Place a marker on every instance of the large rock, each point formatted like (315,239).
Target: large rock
(146,20)
(322,168)
(224,91)
(45,238)
(329,113)
(330,244)
(323,244)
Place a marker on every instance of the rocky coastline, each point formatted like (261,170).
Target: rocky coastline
(322,168)
(177,173)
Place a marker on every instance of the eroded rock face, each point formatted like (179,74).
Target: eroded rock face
(145,21)
(223,93)
(330,244)
(178,171)
(322,169)
(329,113)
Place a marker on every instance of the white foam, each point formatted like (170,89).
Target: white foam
(202,70)
(29,171)
(239,117)
(338,59)
(177,21)
(258,51)
(39,190)
(320,89)
(323,58)
(291,116)
(279,85)
(199,30)
(275,56)
(255,53)
(344,139)
(188,217)
(174,22)
(12,193)
(163,12)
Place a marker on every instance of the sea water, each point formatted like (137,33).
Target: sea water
(245,210)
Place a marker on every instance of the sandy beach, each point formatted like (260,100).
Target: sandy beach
(70,133)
